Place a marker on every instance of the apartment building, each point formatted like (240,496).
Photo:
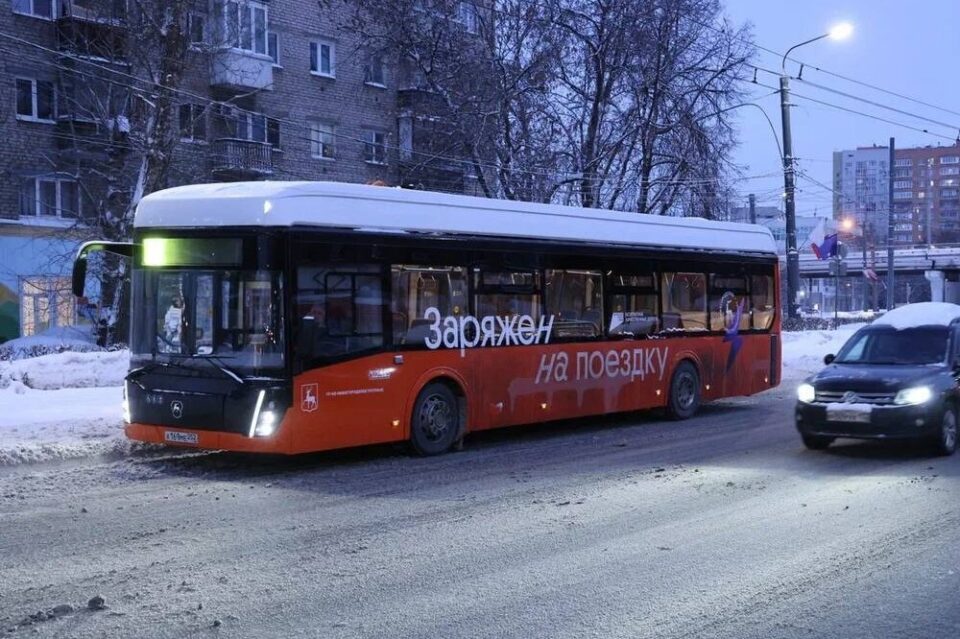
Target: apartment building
(271,89)
(926,195)
(861,193)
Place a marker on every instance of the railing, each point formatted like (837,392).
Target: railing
(236,158)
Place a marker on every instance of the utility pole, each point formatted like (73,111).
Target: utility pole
(753,208)
(793,258)
(890,276)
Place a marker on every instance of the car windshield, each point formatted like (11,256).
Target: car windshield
(231,316)
(912,346)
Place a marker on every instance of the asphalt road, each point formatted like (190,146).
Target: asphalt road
(722,526)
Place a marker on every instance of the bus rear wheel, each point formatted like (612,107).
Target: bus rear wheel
(684,399)
(435,424)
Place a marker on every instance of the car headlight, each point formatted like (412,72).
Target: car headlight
(911,396)
(806,393)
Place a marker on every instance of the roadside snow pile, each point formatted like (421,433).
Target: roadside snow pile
(67,370)
(41,425)
(922,314)
(803,351)
(55,340)
(61,406)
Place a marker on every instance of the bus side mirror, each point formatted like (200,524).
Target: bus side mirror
(79,275)
(828,359)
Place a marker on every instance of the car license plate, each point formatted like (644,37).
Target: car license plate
(177,437)
(855,413)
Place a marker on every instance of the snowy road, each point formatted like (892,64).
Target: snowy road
(722,526)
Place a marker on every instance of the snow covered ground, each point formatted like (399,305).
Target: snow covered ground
(60,406)
(68,404)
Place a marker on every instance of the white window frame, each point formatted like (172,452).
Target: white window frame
(469,16)
(370,143)
(317,132)
(315,46)
(32,11)
(277,62)
(34,101)
(950,159)
(191,18)
(58,181)
(368,68)
(903,184)
(195,111)
(950,170)
(903,162)
(232,34)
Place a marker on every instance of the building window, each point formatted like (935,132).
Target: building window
(244,24)
(322,144)
(375,147)
(193,123)
(373,71)
(950,159)
(50,197)
(36,8)
(949,182)
(45,302)
(950,170)
(323,59)
(903,195)
(273,133)
(467,16)
(903,162)
(949,193)
(196,30)
(273,47)
(903,184)
(36,100)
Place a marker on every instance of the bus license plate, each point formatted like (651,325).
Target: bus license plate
(177,437)
(847,413)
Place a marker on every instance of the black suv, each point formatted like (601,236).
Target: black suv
(892,379)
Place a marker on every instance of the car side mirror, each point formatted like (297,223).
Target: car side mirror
(828,359)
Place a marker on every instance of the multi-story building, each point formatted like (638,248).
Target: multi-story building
(278,89)
(861,193)
(926,195)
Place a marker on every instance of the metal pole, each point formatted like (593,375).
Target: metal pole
(753,208)
(793,258)
(891,301)
(836,293)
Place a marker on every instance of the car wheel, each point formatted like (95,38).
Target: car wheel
(946,442)
(684,399)
(817,442)
(435,424)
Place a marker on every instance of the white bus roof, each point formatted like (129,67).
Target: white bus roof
(379,209)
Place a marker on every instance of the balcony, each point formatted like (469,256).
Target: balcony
(234,159)
(239,70)
(93,33)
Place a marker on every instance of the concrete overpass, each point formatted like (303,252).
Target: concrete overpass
(939,266)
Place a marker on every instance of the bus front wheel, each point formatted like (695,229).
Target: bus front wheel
(684,399)
(435,425)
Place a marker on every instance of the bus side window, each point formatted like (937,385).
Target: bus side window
(685,302)
(632,306)
(575,300)
(418,288)
(764,305)
(508,294)
(727,293)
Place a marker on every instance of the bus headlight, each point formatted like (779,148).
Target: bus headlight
(265,417)
(913,396)
(806,393)
(125,405)
(267,424)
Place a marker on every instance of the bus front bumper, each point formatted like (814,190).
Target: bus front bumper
(208,439)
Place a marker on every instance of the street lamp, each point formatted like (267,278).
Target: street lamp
(838,32)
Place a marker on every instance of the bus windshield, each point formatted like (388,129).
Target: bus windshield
(234,315)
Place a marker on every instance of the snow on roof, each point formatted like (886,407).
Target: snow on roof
(383,209)
(921,314)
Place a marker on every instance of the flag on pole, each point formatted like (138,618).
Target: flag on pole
(827,248)
(815,239)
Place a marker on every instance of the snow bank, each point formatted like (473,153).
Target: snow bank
(54,340)
(67,370)
(803,351)
(41,425)
(921,314)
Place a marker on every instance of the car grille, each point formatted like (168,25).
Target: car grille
(831,397)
